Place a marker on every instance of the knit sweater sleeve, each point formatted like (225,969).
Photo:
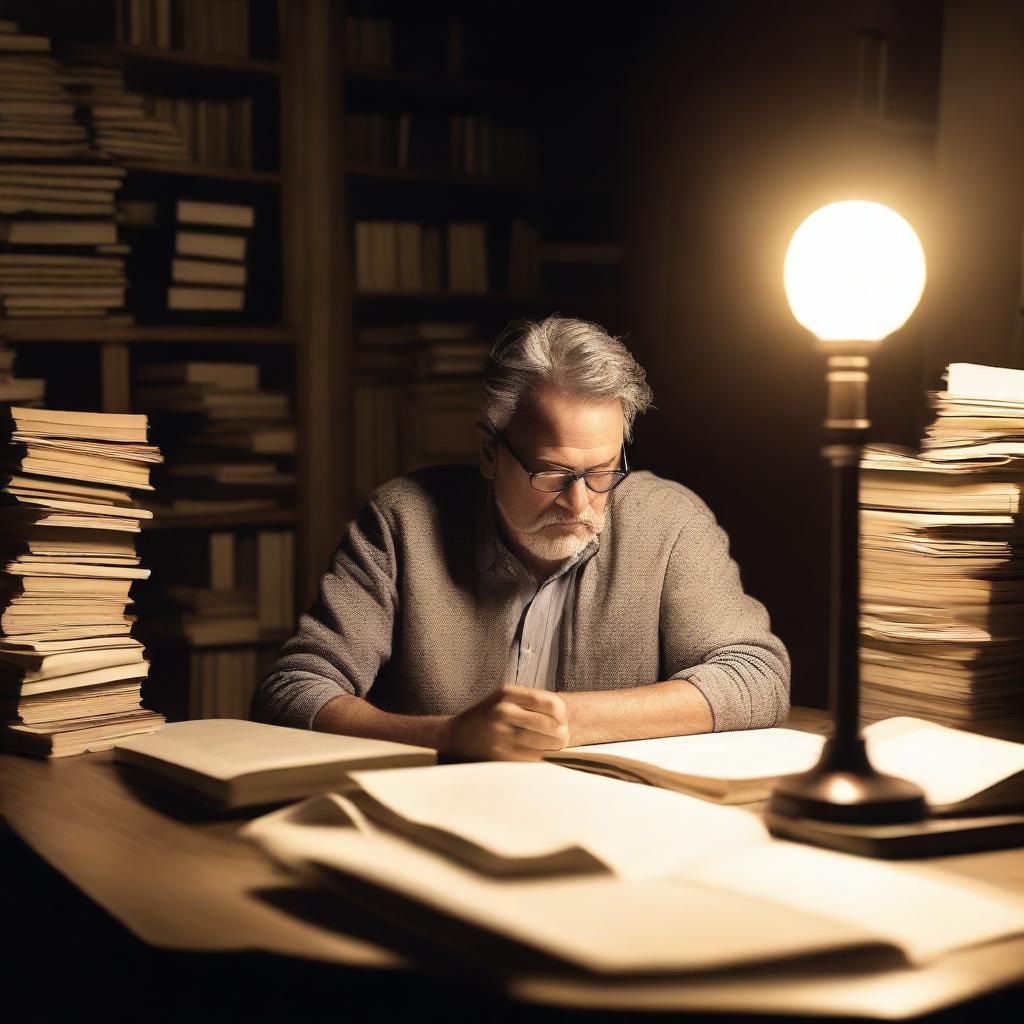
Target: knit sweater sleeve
(345,637)
(717,636)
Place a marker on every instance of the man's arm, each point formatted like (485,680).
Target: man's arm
(725,669)
(671,708)
(345,638)
(717,636)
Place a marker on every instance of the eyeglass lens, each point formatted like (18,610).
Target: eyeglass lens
(600,481)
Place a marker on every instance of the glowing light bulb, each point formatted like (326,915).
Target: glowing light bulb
(854,271)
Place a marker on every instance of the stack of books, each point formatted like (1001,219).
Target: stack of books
(27,391)
(942,562)
(120,122)
(425,348)
(36,116)
(70,672)
(229,442)
(59,252)
(224,595)
(189,257)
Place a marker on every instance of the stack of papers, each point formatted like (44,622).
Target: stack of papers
(611,877)
(942,561)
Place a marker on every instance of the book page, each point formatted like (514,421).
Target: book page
(925,911)
(744,754)
(596,922)
(521,810)
(948,764)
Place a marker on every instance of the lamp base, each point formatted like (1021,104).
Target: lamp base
(844,788)
(933,837)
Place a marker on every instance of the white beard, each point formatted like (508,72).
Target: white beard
(551,545)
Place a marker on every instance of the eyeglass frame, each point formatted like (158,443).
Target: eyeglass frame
(624,469)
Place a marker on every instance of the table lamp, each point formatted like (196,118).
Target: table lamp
(854,273)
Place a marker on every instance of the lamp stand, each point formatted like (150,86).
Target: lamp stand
(843,787)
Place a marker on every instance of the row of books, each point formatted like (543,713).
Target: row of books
(221,681)
(942,553)
(217,132)
(70,671)
(472,145)
(407,256)
(59,252)
(195,26)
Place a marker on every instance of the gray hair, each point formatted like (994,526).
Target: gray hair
(575,356)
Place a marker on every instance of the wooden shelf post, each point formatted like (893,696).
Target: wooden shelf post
(317,293)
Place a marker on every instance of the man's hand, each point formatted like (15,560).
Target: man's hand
(516,723)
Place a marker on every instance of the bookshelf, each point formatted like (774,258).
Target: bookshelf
(298,87)
(436,132)
(92,364)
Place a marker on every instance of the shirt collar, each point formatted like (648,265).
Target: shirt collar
(491,552)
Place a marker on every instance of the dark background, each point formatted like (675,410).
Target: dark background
(734,121)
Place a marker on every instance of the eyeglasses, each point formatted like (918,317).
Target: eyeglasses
(601,481)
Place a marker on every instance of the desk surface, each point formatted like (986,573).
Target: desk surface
(181,879)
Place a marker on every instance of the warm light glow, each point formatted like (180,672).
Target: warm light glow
(854,271)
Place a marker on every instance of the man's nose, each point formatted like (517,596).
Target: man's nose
(576,496)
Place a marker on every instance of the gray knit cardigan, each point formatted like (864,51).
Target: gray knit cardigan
(418,609)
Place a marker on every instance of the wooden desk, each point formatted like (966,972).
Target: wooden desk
(182,880)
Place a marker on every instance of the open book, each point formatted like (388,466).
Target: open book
(612,877)
(960,772)
(228,763)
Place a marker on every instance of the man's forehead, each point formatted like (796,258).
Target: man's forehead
(554,421)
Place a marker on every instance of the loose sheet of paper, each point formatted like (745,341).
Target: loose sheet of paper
(925,911)
(533,809)
(948,764)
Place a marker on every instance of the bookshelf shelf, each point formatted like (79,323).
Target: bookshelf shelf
(132,334)
(183,170)
(223,520)
(124,55)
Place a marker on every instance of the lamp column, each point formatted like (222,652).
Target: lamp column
(844,787)
(846,423)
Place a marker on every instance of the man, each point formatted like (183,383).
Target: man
(549,597)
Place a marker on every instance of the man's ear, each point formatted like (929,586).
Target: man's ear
(487,451)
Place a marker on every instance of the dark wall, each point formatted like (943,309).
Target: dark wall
(976,283)
(744,118)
